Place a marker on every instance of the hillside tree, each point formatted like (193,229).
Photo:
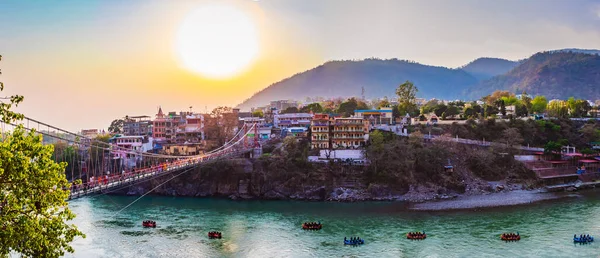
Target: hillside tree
(407,95)
(539,104)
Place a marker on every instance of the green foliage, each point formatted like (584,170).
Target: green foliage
(5,113)
(313,107)
(538,104)
(440,109)
(452,111)
(510,100)
(33,193)
(347,107)
(290,110)
(383,103)
(407,93)
(552,146)
(558,108)
(116,126)
(578,107)
(258,113)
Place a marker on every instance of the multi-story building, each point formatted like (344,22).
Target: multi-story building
(292,120)
(350,132)
(137,126)
(190,128)
(320,132)
(179,127)
(381,116)
(128,149)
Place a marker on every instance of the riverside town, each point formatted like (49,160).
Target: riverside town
(257,128)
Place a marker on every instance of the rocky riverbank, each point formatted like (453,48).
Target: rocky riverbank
(246,179)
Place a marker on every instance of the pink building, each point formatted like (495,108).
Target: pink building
(159,126)
(185,127)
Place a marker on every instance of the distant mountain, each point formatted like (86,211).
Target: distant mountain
(487,67)
(578,50)
(555,74)
(378,77)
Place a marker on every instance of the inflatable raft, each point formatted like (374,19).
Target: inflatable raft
(583,239)
(416,235)
(354,242)
(149,224)
(214,235)
(510,237)
(312,226)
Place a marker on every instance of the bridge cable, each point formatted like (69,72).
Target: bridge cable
(150,192)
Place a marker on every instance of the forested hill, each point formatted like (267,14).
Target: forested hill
(378,77)
(487,67)
(556,74)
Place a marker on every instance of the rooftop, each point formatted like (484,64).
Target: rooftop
(373,110)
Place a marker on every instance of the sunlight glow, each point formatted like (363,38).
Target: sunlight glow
(217,41)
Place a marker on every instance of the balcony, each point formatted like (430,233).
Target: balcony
(319,123)
(349,131)
(344,137)
(349,123)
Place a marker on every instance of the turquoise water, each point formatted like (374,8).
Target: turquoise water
(272,229)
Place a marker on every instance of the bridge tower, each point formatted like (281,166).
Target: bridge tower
(257,151)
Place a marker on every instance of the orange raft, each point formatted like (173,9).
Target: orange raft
(312,226)
(149,224)
(416,235)
(510,237)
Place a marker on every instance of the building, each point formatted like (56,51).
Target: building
(128,149)
(192,128)
(292,120)
(383,116)
(179,127)
(351,132)
(320,132)
(295,132)
(137,126)
(264,129)
(90,133)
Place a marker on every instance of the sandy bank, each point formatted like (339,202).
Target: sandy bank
(488,200)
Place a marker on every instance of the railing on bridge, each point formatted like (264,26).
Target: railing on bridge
(147,165)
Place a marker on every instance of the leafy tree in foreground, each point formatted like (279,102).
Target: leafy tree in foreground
(33,190)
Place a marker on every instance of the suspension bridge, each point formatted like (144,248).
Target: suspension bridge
(99,164)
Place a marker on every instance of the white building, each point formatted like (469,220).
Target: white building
(129,149)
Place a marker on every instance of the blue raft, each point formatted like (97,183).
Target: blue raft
(583,240)
(355,242)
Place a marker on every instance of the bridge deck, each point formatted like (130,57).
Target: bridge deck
(147,173)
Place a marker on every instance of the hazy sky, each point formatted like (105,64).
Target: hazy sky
(80,64)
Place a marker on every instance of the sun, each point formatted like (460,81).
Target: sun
(217,41)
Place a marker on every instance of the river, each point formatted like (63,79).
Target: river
(272,229)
